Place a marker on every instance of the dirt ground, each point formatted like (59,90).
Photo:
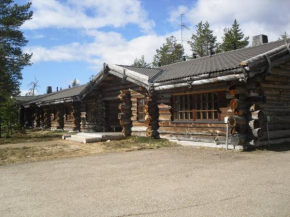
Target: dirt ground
(176,181)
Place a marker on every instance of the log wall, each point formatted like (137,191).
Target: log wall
(57,117)
(196,131)
(261,109)
(139,127)
(72,116)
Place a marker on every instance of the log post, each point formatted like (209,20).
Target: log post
(125,112)
(36,115)
(46,116)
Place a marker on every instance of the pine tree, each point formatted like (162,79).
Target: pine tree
(169,53)
(284,36)
(234,38)
(75,83)
(141,62)
(12,59)
(203,40)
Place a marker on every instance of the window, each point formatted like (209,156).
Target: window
(201,106)
(91,114)
(141,109)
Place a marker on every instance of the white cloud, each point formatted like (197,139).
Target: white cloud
(108,47)
(24,92)
(88,14)
(38,36)
(255,17)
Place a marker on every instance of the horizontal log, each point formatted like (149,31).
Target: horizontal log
(258,133)
(271,105)
(193,131)
(164,117)
(257,115)
(275,85)
(164,106)
(279,71)
(279,119)
(141,134)
(277,134)
(277,112)
(277,78)
(139,129)
(139,124)
(277,126)
(195,138)
(271,98)
(192,125)
(257,142)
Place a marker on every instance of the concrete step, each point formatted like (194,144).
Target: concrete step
(94,137)
(90,134)
(81,140)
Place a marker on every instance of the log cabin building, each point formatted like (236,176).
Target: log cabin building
(239,97)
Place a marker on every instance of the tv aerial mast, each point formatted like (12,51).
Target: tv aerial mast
(182,25)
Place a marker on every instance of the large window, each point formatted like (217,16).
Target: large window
(141,109)
(201,106)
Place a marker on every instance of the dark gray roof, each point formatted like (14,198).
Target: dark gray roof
(219,62)
(205,65)
(150,72)
(23,99)
(66,93)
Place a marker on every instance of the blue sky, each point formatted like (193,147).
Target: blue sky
(72,39)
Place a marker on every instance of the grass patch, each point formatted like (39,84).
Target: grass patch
(46,148)
(137,143)
(32,136)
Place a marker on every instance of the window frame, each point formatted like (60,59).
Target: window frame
(141,109)
(187,103)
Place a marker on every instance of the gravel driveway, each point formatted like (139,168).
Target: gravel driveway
(179,181)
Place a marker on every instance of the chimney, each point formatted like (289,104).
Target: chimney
(68,86)
(259,40)
(56,89)
(48,89)
(194,55)
(183,58)
(159,64)
(210,52)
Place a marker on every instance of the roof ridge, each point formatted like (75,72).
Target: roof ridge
(228,52)
(141,67)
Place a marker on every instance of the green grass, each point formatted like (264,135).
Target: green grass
(137,143)
(32,136)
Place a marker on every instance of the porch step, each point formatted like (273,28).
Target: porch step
(93,137)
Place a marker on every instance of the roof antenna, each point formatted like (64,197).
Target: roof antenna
(182,25)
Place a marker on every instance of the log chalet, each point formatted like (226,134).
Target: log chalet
(241,97)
